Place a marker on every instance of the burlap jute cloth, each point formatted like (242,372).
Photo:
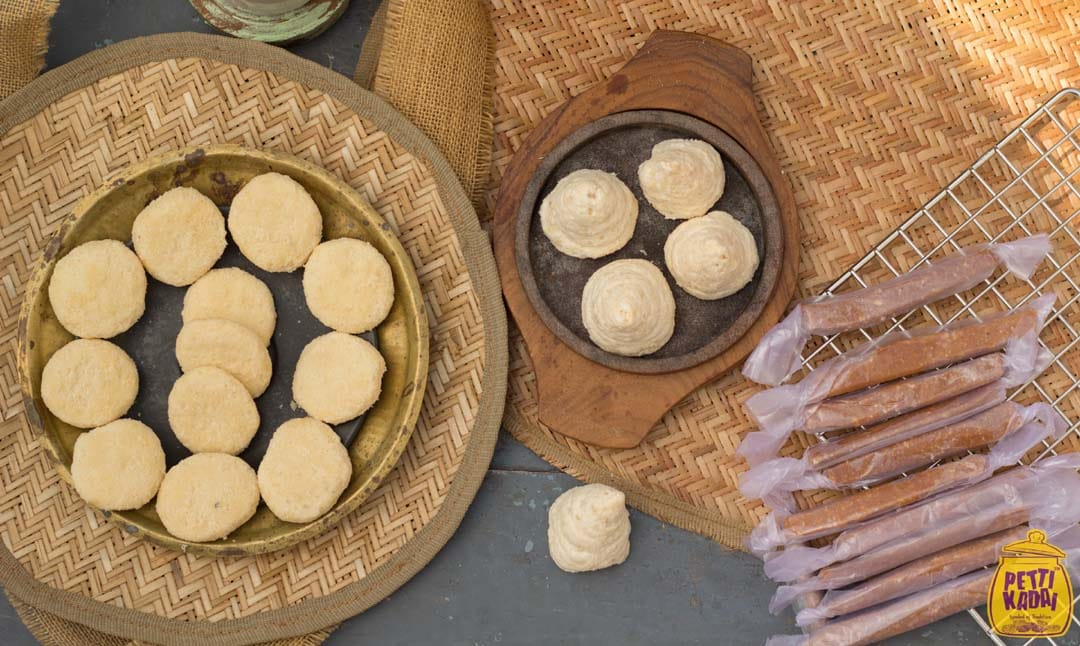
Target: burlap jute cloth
(871,107)
(24,25)
(72,129)
(434,61)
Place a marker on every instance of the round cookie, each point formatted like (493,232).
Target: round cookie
(304,471)
(627,308)
(275,222)
(683,178)
(712,256)
(226,345)
(118,466)
(589,214)
(179,236)
(211,412)
(206,496)
(338,377)
(89,382)
(234,295)
(98,290)
(348,285)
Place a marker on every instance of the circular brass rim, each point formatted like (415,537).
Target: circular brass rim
(404,417)
(771,228)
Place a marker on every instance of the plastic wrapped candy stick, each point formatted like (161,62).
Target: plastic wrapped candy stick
(918,575)
(806,406)
(771,475)
(920,608)
(913,577)
(980,430)
(971,433)
(787,474)
(1055,516)
(903,353)
(778,412)
(777,354)
(952,517)
(899,616)
(858,443)
(898,397)
(781,528)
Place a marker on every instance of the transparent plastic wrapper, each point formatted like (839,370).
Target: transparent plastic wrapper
(1045,494)
(1053,516)
(899,616)
(781,528)
(968,434)
(920,574)
(862,442)
(821,402)
(777,354)
(921,607)
(898,397)
(904,353)
(973,433)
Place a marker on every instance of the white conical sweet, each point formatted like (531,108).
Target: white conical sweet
(589,528)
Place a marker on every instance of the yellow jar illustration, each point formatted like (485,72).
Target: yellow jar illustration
(1031,595)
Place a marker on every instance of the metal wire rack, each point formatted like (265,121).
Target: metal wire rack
(1021,186)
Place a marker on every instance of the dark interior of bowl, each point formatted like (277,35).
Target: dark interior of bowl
(554,281)
(151,343)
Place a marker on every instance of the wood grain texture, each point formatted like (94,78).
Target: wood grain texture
(675,71)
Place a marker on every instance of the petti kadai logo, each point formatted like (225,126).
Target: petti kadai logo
(1030,595)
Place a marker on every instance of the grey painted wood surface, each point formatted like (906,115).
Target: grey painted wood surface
(494,583)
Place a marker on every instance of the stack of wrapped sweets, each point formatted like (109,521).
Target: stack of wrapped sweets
(922,440)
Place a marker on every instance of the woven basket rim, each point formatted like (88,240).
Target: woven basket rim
(313,614)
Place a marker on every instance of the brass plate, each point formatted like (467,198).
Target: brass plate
(218,172)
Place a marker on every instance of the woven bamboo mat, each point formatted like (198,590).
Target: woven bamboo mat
(72,130)
(870,105)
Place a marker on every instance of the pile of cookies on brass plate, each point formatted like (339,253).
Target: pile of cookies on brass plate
(627,306)
(98,291)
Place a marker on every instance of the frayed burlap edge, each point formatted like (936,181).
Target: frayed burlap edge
(440,94)
(317,614)
(26,41)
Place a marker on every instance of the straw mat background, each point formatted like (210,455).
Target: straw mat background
(871,106)
(71,131)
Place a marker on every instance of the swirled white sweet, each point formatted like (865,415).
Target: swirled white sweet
(589,214)
(683,178)
(589,528)
(627,308)
(711,257)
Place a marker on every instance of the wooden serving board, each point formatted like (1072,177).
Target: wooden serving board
(679,72)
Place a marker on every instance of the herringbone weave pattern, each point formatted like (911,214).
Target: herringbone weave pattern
(871,106)
(79,142)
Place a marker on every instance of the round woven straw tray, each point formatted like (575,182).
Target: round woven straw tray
(82,125)
(870,106)
(375,439)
